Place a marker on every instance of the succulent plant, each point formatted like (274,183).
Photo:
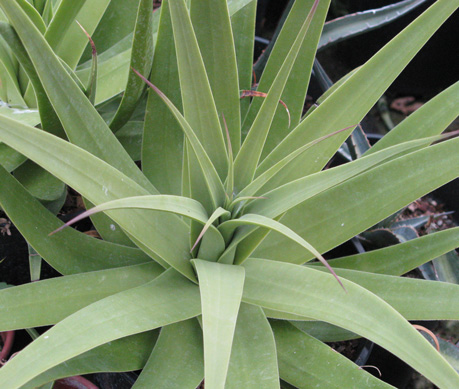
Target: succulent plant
(212,239)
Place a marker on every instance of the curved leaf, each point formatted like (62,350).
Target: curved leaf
(349,103)
(301,290)
(401,258)
(100,182)
(165,300)
(361,22)
(69,252)
(125,354)
(37,304)
(307,362)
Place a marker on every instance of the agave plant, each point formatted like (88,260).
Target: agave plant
(212,239)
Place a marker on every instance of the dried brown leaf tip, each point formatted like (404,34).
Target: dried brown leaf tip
(253,93)
(91,42)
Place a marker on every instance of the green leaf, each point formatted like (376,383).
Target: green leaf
(37,304)
(248,157)
(69,252)
(212,26)
(412,176)
(212,180)
(307,362)
(176,360)
(447,267)
(167,299)
(323,331)
(125,354)
(294,93)
(349,103)
(415,299)
(195,87)
(63,18)
(431,119)
(81,121)
(221,291)
(141,59)
(401,258)
(253,362)
(40,184)
(361,22)
(71,46)
(243,27)
(227,229)
(162,147)
(100,182)
(301,290)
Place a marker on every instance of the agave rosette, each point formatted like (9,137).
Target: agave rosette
(211,240)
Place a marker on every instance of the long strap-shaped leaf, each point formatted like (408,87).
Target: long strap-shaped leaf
(221,291)
(413,298)
(164,235)
(341,109)
(71,251)
(198,103)
(141,59)
(305,362)
(110,357)
(227,229)
(401,258)
(411,176)
(213,181)
(49,120)
(37,304)
(63,18)
(177,361)
(167,299)
(212,26)
(428,120)
(253,362)
(83,125)
(261,180)
(294,93)
(275,203)
(163,139)
(247,159)
(301,290)
(175,204)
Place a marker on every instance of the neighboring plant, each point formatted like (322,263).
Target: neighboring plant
(219,259)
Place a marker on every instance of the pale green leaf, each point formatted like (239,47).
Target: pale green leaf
(37,304)
(221,291)
(301,290)
(125,354)
(198,103)
(307,362)
(253,362)
(167,299)
(176,360)
(69,252)
(401,258)
(368,198)
(100,182)
(349,103)
(247,159)
(162,144)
